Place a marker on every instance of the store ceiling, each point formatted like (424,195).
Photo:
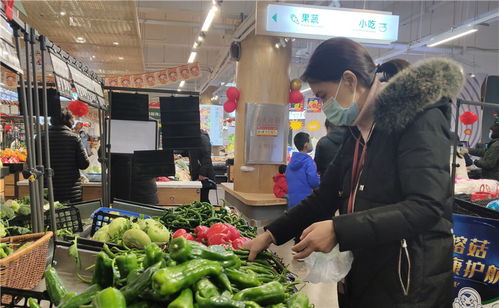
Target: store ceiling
(158,34)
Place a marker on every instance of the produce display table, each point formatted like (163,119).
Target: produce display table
(258,208)
(169,193)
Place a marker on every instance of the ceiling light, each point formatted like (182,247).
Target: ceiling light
(209,19)
(222,83)
(116,43)
(449,36)
(196,45)
(62,13)
(80,39)
(277,45)
(293,39)
(121,58)
(192,57)
(182,84)
(472,75)
(93,57)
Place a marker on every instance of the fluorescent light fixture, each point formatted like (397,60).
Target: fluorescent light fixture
(305,90)
(116,43)
(192,57)
(182,84)
(62,13)
(209,18)
(451,36)
(196,45)
(201,38)
(121,58)
(80,39)
(277,45)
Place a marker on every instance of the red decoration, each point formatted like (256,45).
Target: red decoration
(78,108)
(468,118)
(230,106)
(233,94)
(7,127)
(9,12)
(295,97)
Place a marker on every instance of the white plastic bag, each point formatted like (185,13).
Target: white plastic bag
(328,267)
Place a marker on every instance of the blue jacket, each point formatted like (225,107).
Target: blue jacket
(302,177)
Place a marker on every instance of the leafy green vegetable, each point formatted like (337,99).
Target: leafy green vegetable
(25,209)
(6,212)
(73,252)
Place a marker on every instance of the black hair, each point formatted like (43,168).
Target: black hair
(282,169)
(392,68)
(337,55)
(495,131)
(300,139)
(63,118)
(328,124)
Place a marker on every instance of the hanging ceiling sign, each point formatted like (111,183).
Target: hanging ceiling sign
(85,87)
(8,53)
(316,22)
(62,76)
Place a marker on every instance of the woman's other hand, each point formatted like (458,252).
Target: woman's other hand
(320,237)
(258,244)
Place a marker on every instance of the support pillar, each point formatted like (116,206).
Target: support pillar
(262,77)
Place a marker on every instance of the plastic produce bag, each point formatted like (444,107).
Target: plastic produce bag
(328,267)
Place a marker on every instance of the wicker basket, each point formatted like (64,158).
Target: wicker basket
(24,268)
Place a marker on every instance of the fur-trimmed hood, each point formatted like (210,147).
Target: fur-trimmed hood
(415,89)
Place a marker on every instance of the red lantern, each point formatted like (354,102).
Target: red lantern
(230,106)
(468,118)
(295,97)
(78,108)
(7,127)
(232,94)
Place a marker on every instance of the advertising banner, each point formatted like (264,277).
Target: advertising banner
(476,262)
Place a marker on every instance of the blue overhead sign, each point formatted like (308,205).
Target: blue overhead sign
(313,22)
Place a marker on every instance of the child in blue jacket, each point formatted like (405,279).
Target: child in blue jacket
(301,173)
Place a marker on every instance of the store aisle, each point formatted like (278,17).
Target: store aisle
(322,295)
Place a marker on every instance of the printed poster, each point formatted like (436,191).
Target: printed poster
(314,105)
(211,120)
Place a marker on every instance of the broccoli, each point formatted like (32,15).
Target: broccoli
(6,212)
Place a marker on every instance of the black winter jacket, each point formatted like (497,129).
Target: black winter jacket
(200,159)
(67,156)
(327,148)
(404,196)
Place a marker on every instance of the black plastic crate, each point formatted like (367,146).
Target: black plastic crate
(12,297)
(65,218)
(104,217)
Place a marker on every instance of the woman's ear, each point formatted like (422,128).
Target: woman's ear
(350,80)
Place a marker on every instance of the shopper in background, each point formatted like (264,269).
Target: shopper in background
(390,181)
(301,174)
(201,167)
(328,146)
(67,157)
(280,184)
(489,161)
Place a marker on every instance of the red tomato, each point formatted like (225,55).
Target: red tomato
(201,232)
(216,229)
(233,232)
(218,239)
(179,233)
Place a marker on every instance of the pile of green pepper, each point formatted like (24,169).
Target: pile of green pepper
(189,275)
(189,216)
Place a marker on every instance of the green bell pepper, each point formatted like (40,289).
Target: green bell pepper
(184,300)
(298,300)
(103,271)
(126,263)
(205,288)
(54,285)
(85,297)
(109,298)
(33,303)
(135,287)
(153,254)
(266,294)
(242,279)
(182,250)
(170,280)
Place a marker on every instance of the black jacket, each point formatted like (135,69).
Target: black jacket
(200,159)
(404,194)
(67,156)
(489,161)
(327,148)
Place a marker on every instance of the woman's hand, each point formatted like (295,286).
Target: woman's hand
(320,236)
(258,244)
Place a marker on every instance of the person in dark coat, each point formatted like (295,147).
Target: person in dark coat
(489,157)
(328,146)
(390,181)
(67,157)
(201,167)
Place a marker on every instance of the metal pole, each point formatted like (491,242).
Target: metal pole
(48,169)
(454,146)
(102,157)
(37,140)
(107,133)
